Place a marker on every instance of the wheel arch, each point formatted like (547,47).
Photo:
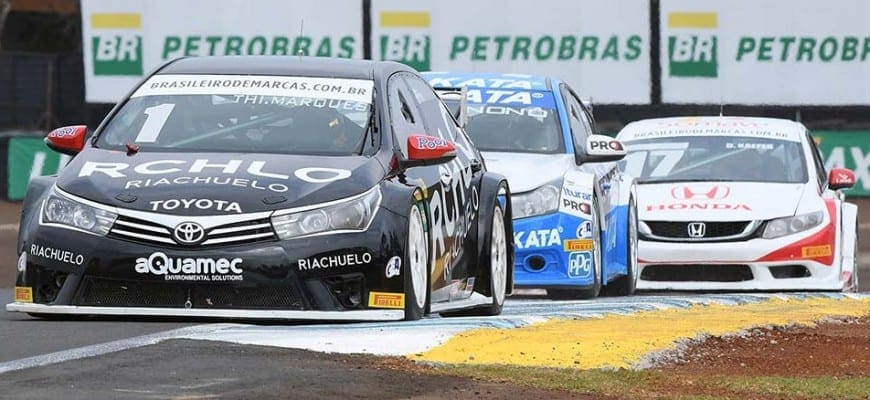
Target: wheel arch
(36,190)
(491,186)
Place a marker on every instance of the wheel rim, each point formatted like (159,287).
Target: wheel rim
(632,237)
(498,257)
(418,256)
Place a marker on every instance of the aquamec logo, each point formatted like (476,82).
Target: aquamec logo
(116,45)
(692,45)
(407,39)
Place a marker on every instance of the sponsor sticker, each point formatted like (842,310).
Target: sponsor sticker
(22,261)
(190,268)
(358,90)
(199,204)
(584,230)
(394,267)
(340,260)
(24,294)
(580,264)
(816,251)
(386,300)
(537,238)
(578,245)
(50,253)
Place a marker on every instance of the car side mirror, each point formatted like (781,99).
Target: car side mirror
(841,178)
(68,139)
(428,150)
(601,148)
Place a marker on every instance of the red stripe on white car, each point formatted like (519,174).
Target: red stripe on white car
(818,247)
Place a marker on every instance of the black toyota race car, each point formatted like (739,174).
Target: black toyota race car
(269,187)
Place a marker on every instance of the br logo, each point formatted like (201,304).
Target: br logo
(115,49)
(407,40)
(580,264)
(692,48)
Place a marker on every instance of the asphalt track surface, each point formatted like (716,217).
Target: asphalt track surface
(140,359)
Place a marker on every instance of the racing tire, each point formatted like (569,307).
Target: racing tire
(417,287)
(498,269)
(626,284)
(853,287)
(593,291)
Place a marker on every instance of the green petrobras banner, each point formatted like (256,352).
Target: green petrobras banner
(29,157)
(848,149)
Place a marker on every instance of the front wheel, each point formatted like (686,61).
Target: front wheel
(498,269)
(417,271)
(626,284)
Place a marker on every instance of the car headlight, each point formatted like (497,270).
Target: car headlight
(788,225)
(65,212)
(542,200)
(353,214)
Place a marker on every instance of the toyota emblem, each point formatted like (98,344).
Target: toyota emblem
(188,233)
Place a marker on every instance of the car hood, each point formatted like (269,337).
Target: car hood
(717,201)
(525,171)
(215,183)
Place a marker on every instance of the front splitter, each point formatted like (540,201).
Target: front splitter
(354,315)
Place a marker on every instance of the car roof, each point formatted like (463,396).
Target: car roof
(486,80)
(324,67)
(772,128)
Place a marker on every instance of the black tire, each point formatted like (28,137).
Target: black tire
(625,285)
(597,269)
(497,255)
(854,286)
(416,226)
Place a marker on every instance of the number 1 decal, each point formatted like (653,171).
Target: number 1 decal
(157,116)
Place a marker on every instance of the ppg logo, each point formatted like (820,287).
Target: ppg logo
(580,264)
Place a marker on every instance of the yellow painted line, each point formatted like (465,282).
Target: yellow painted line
(116,21)
(693,20)
(405,19)
(621,340)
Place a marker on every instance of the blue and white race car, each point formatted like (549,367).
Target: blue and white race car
(575,219)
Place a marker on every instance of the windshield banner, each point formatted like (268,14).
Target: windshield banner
(357,90)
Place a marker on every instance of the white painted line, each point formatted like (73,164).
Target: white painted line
(8,227)
(109,347)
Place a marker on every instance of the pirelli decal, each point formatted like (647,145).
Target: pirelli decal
(386,300)
(816,251)
(23,294)
(578,245)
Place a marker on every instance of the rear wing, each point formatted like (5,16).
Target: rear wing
(459,94)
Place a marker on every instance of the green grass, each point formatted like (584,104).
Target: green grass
(630,384)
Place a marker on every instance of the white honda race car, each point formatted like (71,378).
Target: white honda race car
(729,203)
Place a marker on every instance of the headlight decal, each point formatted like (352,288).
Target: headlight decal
(819,247)
(64,212)
(543,200)
(351,215)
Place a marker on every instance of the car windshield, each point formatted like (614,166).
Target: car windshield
(521,121)
(719,158)
(226,113)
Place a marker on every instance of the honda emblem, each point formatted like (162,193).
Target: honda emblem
(697,229)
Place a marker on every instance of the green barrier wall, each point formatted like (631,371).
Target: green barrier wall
(28,157)
(848,149)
